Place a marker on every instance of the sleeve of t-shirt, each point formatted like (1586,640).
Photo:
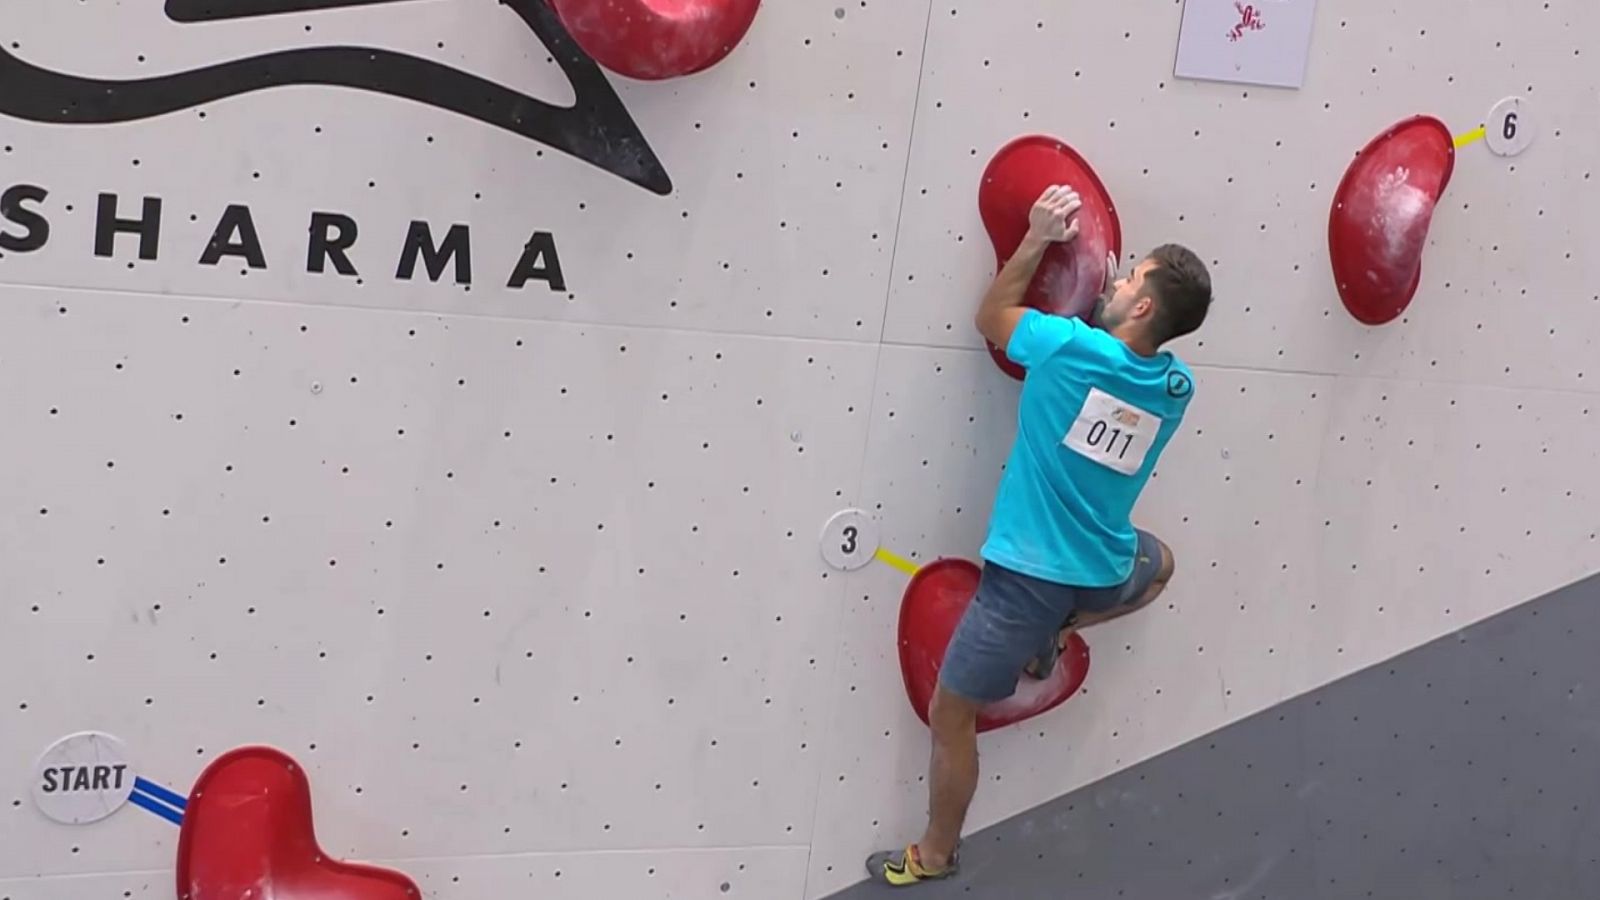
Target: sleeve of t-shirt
(1038,335)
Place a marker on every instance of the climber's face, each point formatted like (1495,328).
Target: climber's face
(1126,300)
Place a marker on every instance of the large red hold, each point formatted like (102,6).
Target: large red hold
(247,833)
(1381,214)
(653,40)
(1072,276)
(929,611)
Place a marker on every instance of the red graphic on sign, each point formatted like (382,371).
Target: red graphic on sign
(932,606)
(1249,20)
(657,39)
(247,832)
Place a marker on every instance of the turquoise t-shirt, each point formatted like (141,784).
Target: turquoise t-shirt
(1092,420)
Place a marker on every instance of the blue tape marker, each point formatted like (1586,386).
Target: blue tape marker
(160,793)
(151,804)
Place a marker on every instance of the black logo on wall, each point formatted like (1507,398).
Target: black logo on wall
(596,129)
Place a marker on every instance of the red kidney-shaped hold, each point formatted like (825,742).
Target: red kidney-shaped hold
(933,603)
(247,835)
(1071,276)
(1381,213)
(653,40)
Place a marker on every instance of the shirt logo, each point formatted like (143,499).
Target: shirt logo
(1179,385)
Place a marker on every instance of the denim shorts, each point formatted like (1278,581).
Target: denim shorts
(1014,617)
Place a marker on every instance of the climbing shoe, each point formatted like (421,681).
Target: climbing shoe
(902,868)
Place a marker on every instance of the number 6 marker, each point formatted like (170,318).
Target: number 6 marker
(1509,129)
(849,539)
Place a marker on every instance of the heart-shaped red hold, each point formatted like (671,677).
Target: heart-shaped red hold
(1071,276)
(657,39)
(247,835)
(1381,214)
(929,612)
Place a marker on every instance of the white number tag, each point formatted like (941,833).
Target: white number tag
(1114,434)
(1510,127)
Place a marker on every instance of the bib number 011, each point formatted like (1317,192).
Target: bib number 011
(1112,432)
(1098,438)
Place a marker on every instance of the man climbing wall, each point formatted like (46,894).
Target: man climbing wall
(1099,403)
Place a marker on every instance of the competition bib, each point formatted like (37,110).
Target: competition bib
(1113,433)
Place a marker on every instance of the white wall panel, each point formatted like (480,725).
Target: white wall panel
(528,578)
(1245,175)
(401,546)
(144,885)
(752,872)
(786,163)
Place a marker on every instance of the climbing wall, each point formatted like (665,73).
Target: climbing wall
(1340,493)
(395,387)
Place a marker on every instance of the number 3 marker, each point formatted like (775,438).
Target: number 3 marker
(849,539)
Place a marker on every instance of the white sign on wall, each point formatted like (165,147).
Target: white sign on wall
(83,778)
(1255,42)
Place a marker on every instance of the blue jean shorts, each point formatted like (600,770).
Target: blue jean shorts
(1014,617)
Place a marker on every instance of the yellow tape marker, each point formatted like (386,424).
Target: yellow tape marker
(897,561)
(1476,134)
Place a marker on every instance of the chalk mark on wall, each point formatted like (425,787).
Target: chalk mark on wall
(596,129)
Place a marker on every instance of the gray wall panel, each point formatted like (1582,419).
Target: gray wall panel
(1462,770)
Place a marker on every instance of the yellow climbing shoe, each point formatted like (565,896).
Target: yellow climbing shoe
(903,868)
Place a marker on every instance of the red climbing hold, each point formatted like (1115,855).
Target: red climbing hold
(1072,276)
(932,606)
(657,39)
(247,832)
(1381,214)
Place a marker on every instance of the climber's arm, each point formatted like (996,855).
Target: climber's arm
(1002,307)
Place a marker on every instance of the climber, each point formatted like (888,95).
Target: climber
(1098,405)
